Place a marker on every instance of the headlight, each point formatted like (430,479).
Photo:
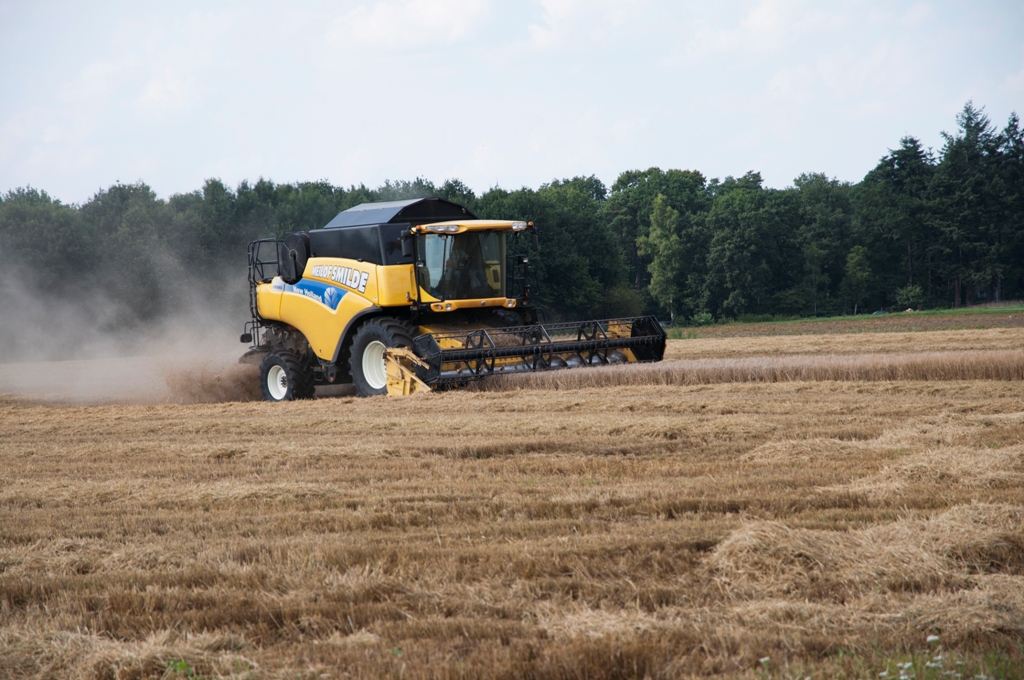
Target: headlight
(444,228)
(518,226)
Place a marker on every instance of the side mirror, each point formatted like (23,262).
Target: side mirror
(246,338)
(406,246)
(534,242)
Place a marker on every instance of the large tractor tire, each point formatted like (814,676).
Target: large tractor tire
(366,362)
(284,377)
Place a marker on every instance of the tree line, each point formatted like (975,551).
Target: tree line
(923,229)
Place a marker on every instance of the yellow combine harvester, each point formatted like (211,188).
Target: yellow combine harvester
(409,296)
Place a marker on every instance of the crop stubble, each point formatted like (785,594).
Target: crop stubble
(632,530)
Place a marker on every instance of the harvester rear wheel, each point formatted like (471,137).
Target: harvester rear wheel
(367,357)
(284,377)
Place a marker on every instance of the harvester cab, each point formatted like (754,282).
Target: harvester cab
(409,296)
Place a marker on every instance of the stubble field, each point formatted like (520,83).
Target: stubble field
(792,511)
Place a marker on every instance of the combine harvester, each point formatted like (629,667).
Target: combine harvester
(411,296)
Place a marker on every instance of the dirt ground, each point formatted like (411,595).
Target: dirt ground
(802,528)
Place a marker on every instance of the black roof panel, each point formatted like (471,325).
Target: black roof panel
(417,211)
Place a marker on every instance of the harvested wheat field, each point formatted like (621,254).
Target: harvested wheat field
(960,341)
(996,316)
(799,515)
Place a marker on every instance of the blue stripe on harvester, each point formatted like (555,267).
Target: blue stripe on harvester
(325,294)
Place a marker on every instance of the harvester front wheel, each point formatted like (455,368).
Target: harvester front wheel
(367,359)
(284,377)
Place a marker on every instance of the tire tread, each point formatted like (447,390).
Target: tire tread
(300,375)
(398,333)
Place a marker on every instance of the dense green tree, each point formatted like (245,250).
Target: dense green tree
(126,220)
(1011,285)
(456,191)
(631,202)
(43,240)
(824,237)
(895,219)
(751,248)
(971,210)
(856,277)
(663,244)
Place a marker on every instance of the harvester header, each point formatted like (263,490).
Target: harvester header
(409,296)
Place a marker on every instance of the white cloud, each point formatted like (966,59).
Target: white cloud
(53,133)
(917,14)
(56,135)
(883,69)
(408,23)
(67,154)
(1015,81)
(793,85)
(765,18)
(563,21)
(769,26)
(166,93)
(15,131)
(93,83)
(556,14)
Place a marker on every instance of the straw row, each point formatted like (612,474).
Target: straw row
(982,365)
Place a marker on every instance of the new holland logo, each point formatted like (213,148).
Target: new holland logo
(332,296)
(346,276)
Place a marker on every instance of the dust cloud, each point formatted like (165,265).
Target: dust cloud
(85,349)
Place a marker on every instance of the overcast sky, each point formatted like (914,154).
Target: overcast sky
(492,92)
